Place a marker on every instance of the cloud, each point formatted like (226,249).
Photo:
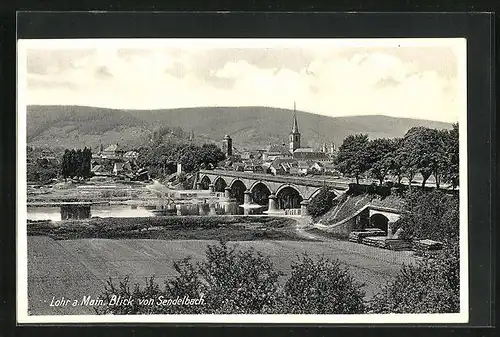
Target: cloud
(349,81)
(103,72)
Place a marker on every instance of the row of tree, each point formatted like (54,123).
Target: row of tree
(76,163)
(162,159)
(422,150)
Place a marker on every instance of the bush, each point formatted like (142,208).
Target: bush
(431,215)
(321,203)
(236,281)
(231,281)
(105,194)
(433,286)
(320,286)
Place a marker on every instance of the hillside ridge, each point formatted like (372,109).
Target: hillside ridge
(251,126)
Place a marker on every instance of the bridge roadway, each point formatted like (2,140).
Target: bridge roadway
(304,181)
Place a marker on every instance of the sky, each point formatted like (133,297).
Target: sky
(401,79)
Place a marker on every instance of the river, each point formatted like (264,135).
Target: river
(58,213)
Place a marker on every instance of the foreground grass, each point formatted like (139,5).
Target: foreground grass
(231,228)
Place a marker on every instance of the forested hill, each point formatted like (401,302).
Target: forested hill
(77,126)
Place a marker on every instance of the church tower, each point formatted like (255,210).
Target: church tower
(294,137)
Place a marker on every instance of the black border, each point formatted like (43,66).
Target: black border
(476,27)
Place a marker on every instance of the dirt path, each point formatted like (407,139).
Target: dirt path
(302,224)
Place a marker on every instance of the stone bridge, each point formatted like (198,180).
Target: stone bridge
(275,192)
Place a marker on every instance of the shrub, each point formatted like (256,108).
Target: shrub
(432,286)
(231,281)
(321,203)
(237,281)
(320,286)
(150,290)
(431,215)
(105,194)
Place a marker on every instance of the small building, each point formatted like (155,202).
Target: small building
(131,155)
(310,154)
(98,170)
(282,166)
(276,151)
(118,168)
(240,167)
(113,152)
(330,169)
(253,165)
(317,167)
(303,167)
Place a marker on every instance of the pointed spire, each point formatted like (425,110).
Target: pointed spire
(295,128)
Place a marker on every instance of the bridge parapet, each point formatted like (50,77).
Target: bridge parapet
(303,181)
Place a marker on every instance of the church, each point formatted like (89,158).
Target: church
(305,153)
(289,159)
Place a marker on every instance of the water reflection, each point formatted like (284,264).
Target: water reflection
(58,213)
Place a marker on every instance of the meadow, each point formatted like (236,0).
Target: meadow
(80,267)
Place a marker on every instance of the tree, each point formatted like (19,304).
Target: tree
(76,163)
(66,164)
(352,156)
(161,159)
(86,159)
(231,280)
(379,156)
(394,162)
(321,286)
(452,167)
(432,286)
(210,154)
(321,203)
(422,150)
(430,215)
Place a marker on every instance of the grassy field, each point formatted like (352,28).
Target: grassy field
(230,228)
(80,267)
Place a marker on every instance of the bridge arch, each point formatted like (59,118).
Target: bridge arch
(295,187)
(260,193)
(205,182)
(238,181)
(378,220)
(288,196)
(219,184)
(238,189)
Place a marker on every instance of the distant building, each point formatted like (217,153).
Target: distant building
(283,166)
(245,155)
(286,159)
(98,170)
(227,146)
(310,154)
(117,168)
(131,155)
(238,167)
(253,165)
(113,152)
(276,151)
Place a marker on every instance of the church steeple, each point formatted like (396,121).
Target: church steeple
(295,127)
(294,137)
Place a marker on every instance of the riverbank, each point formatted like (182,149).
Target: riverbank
(226,227)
